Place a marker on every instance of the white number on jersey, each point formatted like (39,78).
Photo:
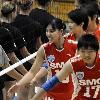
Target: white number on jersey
(96,88)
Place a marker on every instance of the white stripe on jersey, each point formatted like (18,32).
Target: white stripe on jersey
(76,86)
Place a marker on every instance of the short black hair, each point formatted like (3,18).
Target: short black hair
(88,40)
(43,2)
(81,2)
(91,9)
(24,5)
(57,24)
(7,8)
(79,16)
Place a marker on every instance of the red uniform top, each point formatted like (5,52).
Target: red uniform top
(70,36)
(72,40)
(87,84)
(56,59)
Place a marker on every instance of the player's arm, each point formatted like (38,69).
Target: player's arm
(25,53)
(32,72)
(41,74)
(39,77)
(38,80)
(35,67)
(13,58)
(59,77)
(13,73)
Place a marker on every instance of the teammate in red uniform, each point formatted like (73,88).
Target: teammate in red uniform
(79,23)
(92,9)
(56,53)
(86,70)
(92,13)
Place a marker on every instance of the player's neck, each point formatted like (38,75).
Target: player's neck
(40,7)
(93,29)
(24,13)
(77,35)
(91,65)
(60,44)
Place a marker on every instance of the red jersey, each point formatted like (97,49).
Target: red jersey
(71,40)
(56,59)
(87,80)
(70,36)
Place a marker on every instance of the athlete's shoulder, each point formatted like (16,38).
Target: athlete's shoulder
(75,59)
(47,44)
(72,41)
(67,35)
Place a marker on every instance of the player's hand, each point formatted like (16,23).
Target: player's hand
(13,89)
(35,82)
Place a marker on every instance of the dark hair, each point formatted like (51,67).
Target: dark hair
(81,2)
(57,24)
(7,8)
(43,2)
(88,40)
(91,9)
(79,16)
(88,2)
(25,5)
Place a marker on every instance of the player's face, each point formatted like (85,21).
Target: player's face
(53,35)
(70,24)
(88,55)
(76,29)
